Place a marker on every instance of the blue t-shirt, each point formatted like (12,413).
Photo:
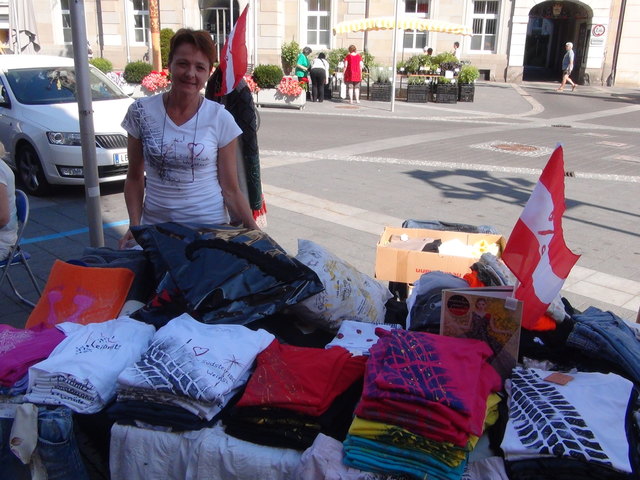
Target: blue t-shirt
(567,59)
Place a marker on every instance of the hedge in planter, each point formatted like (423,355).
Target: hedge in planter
(380,89)
(445,92)
(418,90)
(267,76)
(466,78)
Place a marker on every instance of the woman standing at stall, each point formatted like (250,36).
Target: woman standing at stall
(182,147)
(302,64)
(353,73)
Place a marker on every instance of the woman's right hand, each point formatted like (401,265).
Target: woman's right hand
(127,241)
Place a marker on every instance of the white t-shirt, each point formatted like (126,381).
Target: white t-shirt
(582,420)
(8,233)
(81,371)
(181,162)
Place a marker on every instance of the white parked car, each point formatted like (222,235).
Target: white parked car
(39,124)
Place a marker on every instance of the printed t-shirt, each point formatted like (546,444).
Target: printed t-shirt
(181,162)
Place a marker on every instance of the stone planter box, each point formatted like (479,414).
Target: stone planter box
(445,93)
(136,90)
(271,97)
(380,92)
(466,92)
(418,93)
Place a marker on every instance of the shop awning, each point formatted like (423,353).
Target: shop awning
(405,23)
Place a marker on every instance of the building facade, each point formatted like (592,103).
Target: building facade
(512,40)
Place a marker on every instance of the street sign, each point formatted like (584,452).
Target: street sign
(598,30)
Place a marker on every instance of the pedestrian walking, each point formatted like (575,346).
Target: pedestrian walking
(319,77)
(353,73)
(456,49)
(567,66)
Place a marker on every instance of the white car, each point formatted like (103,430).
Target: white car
(39,124)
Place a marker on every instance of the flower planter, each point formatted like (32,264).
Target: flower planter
(380,92)
(466,92)
(418,93)
(139,91)
(271,97)
(445,93)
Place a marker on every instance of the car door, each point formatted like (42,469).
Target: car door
(7,123)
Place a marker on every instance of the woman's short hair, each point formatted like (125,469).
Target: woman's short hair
(322,56)
(306,51)
(352,48)
(200,39)
(569,44)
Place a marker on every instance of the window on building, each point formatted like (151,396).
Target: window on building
(140,21)
(485,25)
(318,24)
(412,38)
(66,21)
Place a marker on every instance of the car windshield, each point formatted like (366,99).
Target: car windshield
(46,85)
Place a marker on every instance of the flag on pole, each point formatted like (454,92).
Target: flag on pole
(234,55)
(536,252)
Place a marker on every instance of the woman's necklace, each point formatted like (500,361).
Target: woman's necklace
(190,146)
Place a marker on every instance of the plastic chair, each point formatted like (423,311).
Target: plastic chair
(17,256)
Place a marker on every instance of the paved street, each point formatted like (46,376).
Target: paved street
(337,174)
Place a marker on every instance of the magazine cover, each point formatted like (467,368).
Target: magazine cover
(481,313)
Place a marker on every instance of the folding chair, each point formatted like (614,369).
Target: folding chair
(17,256)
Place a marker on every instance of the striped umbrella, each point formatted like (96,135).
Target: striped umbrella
(405,23)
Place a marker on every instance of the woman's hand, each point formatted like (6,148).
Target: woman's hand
(127,241)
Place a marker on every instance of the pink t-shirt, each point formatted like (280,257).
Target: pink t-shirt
(21,348)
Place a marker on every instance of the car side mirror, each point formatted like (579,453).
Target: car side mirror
(4,98)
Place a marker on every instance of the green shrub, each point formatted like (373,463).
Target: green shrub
(380,75)
(368,60)
(335,56)
(417,80)
(267,76)
(102,64)
(134,72)
(468,74)
(289,53)
(165,41)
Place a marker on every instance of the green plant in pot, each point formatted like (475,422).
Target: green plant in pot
(468,74)
(417,80)
(289,53)
(267,76)
(381,75)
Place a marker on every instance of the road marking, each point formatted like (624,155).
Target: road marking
(69,233)
(311,156)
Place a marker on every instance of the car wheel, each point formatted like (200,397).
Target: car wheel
(30,171)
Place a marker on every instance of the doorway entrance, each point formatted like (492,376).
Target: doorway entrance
(218,17)
(551,25)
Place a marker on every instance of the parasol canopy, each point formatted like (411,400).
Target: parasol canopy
(406,23)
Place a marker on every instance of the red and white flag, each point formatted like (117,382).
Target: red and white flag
(234,55)
(536,252)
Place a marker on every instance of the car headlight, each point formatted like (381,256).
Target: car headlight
(64,138)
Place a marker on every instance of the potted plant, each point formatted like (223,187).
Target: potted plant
(466,83)
(445,91)
(289,54)
(418,89)
(380,89)
(276,89)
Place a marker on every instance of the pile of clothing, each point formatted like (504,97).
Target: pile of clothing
(423,406)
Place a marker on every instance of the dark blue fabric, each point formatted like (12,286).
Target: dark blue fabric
(605,336)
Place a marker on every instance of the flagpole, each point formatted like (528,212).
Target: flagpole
(393,72)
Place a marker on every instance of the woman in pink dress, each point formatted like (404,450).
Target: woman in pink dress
(353,73)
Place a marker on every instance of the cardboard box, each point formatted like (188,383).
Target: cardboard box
(395,264)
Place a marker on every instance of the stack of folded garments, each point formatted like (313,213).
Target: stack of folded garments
(566,426)
(21,348)
(188,374)
(423,406)
(81,371)
(295,393)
